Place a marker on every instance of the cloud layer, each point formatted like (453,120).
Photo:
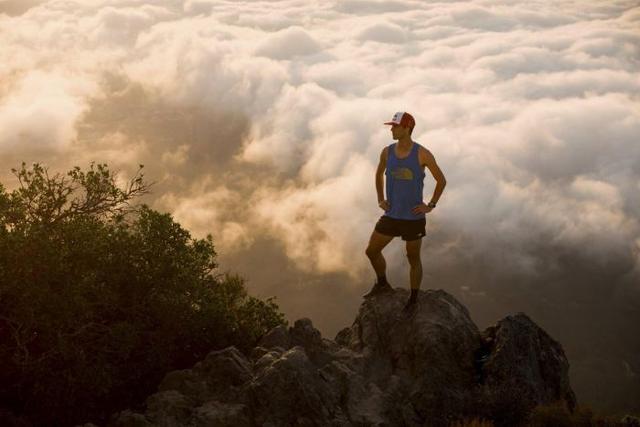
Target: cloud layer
(262,123)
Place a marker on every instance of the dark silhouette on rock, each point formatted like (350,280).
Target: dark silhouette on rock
(427,368)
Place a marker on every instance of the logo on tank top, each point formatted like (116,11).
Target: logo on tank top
(402,173)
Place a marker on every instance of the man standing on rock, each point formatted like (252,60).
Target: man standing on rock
(403,164)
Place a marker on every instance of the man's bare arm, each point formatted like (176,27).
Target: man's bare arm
(441,181)
(382,165)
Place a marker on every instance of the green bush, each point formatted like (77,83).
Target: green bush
(98,299)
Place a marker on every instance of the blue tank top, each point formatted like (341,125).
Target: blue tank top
(404,184)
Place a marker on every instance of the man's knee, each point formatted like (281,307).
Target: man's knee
(372,252)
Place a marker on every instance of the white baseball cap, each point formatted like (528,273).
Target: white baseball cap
(402,118)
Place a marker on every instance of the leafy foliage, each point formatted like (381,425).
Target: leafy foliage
(98,299)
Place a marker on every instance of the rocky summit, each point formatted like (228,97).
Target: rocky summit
(428,367)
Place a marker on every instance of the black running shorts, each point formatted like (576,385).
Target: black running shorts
(408,229)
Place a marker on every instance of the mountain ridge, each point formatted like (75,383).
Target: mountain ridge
(389,368)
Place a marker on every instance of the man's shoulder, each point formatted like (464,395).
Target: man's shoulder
(422,149)
(423,154)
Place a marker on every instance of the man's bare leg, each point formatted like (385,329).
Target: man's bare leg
(377,242)
(415,263)
(415,272)
(374,251)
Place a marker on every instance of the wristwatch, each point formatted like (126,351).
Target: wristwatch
(431,205)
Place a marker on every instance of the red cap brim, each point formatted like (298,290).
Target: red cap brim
(390,123)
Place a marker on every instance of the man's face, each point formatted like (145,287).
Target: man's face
(398,131)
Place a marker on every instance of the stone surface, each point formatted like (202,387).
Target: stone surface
(426,368)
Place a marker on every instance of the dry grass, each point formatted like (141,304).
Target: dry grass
(558,415)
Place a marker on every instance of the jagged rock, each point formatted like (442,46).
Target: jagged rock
(219,376)
(388,368)
(276,337)
(291,389)
(432,353)
(523,366)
